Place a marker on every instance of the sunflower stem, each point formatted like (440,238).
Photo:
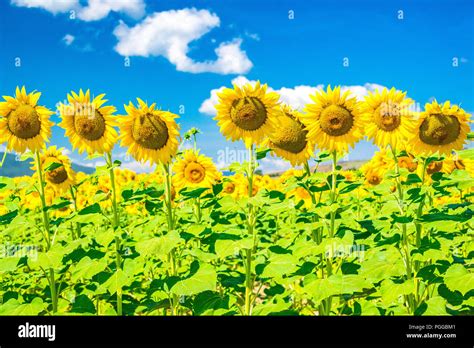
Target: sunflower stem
(408,264)
(116,226)
(41,184)
(76,210)
(171,225)
(249,279)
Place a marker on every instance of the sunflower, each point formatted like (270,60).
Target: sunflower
(151,135)
(247,113)
(289,140)
(407,162)
(60,178)
(373,176)
(387,118)
(195,170)
(88,124)
(440,129)
(24,125)
(334,121)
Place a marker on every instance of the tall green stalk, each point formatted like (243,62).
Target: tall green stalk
(116,226)
(326,304)
(46,228)
(171,226)
(251,219)
(406,245)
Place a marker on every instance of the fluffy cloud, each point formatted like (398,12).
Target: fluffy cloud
(296,96)
(98,9)
(53,6)
(169,34)
(68,39)
(94,10)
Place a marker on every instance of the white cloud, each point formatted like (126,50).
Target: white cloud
(53,6)
(138,167)
(98,9)
(297,97)
(68,39)
(253,36)
(169,34)
(273,164)
(94,10)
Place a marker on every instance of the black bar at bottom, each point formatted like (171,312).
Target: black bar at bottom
(224,331)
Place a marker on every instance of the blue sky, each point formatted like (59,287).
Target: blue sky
(168,41)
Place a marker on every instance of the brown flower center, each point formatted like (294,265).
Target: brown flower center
(290,135)
(24,122)
(229,187)
(150,131)
(387,116)
(434,167)
(336,120)
(57,176)
(194,172)
(440,129)
(248,113)
(374,179)
(89,123)
(459,164)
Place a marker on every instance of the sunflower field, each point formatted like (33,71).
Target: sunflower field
(393,237)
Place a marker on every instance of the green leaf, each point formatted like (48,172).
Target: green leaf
(458,278)
(380,264)
(204,279)
(8,264)
(261,154)
(87,268)
(390,291)
(436,306)
(91,209)
(53,166)
(193,193)
(348,188)
(280,265)
(336,284)
(83,304)
(228,247)
(117,281)
(159,246)
(14,307)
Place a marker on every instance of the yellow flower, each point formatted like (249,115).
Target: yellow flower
(334,121)
(247,113)
(151,135)
(60,178)
(387,118)
(441,129)
(289,140)
(24,125)
(194,170)
(88,124)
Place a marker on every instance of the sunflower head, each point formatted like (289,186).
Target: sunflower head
(247,113)
(441,129)
(88,124)
(151,135)
(57,169)
(334,120)
(289,140)
(195,170)
(373,177)
(229,187)
(387,117)
(24,125)
(407,162)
